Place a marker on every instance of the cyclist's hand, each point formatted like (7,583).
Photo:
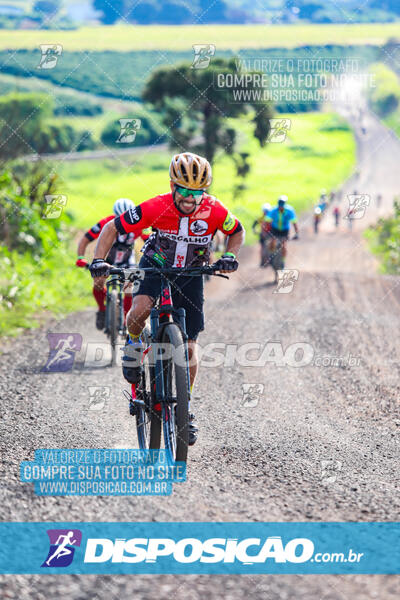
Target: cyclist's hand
(81,262)
(99,268)
(227,263)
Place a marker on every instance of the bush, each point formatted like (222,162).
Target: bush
(385,240)
(75,107)
(385,97)
(35,254)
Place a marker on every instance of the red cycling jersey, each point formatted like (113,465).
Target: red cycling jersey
(184,239)
(121,251)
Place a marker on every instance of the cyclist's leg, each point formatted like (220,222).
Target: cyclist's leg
(127,298)
(193,361)
(99,292)
(136,318)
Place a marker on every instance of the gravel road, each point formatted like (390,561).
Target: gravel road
(318,442)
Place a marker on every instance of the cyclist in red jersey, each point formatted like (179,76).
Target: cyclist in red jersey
(184,222)
(120,255)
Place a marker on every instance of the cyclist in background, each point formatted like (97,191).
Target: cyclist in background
(280,218)
(323,200)
(264,231)
(317,218)
(120,255)
(184,222)
(336,215)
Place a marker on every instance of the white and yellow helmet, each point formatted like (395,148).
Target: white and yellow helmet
(190,171)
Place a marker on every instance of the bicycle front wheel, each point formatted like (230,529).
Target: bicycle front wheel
(176,390)
(148,414)
(113,322)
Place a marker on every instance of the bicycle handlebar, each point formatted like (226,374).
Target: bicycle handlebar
(132,274)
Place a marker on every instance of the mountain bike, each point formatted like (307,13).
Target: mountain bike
(114,325)
(160,401)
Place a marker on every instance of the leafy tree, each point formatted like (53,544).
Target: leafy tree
(195,109)
(243,168)
(22,116)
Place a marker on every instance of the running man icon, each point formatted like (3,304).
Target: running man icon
(63,347)
(61,551)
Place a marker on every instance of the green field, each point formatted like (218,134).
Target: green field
(228,37)
(316,154)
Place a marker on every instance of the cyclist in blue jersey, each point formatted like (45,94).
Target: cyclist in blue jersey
(280,218)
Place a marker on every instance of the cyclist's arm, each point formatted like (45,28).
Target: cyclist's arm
(82,245)
(235,241)
(106,240)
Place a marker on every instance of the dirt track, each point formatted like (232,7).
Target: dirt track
(319,443)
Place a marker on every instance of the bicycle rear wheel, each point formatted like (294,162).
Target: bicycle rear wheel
(277,258)
(175,411)
(148,413)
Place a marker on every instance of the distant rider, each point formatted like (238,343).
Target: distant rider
(264,228)
(120,255)
(280,218)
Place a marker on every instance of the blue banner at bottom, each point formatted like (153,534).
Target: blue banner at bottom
(200,548)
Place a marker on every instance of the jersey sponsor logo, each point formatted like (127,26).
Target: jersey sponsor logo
(188,239)
(198,227)
(133,215)
(229,222)
(179,260)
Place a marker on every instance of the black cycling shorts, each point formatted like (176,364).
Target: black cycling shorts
(280,234)
(187,293)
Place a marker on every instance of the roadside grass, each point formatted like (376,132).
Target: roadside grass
(30,286)
(229,37)
(318,153)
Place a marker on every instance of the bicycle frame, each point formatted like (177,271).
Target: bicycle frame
(163,313)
